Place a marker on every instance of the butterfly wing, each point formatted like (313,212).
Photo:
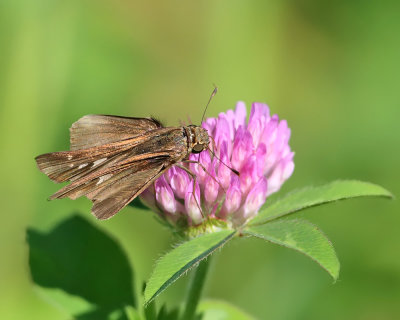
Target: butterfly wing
(95,130)
(112,188)
(72,165)
(114,174)
(110,199)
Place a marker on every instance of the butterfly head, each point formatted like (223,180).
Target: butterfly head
(199,138)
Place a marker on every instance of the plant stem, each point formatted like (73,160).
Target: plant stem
(150,311)
(195,288)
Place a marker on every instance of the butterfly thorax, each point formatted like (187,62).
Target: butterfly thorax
(198,138)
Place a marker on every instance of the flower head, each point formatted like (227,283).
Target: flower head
(258,150)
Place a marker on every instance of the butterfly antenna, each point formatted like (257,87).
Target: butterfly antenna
(233,170)
(209,100)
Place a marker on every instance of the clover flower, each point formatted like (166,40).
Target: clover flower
(258,150)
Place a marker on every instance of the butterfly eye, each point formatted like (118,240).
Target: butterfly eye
(197,148)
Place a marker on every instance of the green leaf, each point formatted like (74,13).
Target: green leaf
(313,196)
(302,236)
(70,304)
(221,310)
(137,203)
(117,314)
(178,261)
(132,313)
(150,311)
(165,314)
(83,262)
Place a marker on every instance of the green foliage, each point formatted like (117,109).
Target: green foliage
(132,313)
(84,262)
(302,236)
(150,311)
(181,259)
(85,271)
(195,289)
(221,310)
(313,196)
(137,203)
(165,314)
(70,304)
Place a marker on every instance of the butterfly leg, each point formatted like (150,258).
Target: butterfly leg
(194,177)
(205,170)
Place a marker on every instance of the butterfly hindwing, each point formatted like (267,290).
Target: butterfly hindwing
(112,198)
(112,188)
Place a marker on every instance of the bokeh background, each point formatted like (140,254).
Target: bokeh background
(330,68)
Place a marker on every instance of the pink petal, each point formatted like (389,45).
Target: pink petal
(179,180)
(240,115)
(224,173)
(233,199)
(211,190)
(242,148)
(258,111)
(165,195)
(192,204)
(248,175)
(255,199)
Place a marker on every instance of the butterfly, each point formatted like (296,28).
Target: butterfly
(114,159)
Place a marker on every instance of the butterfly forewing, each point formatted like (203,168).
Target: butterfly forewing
(65,165)
(95,130)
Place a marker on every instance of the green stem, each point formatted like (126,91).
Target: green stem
(150,311)
(195,288)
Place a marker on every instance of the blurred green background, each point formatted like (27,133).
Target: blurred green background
(330,68)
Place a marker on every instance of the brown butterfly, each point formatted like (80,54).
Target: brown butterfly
(114,159)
